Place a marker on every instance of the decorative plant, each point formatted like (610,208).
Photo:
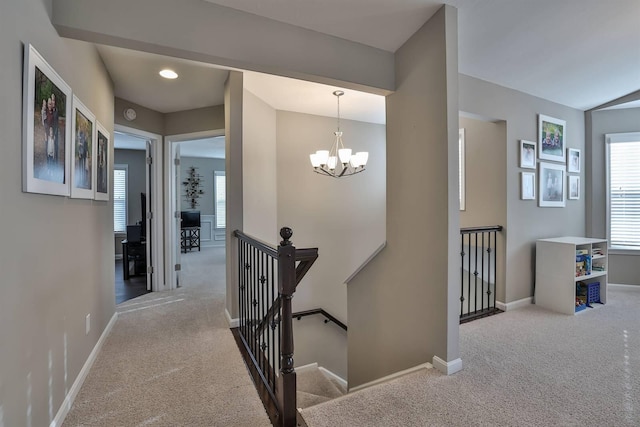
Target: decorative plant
(192,187)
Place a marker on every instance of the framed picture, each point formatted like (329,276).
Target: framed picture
(551,185)
(528,185)
(103,163)
(573,160)
(46,127)
(551,138)
(527,154)
(82,151)
(574,187)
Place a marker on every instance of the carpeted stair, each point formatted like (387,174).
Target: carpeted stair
(315,387)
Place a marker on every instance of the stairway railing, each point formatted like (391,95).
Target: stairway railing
(268,278)
(479,259)
(328,317)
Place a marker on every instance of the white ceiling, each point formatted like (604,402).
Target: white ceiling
(136,79)
(579,53)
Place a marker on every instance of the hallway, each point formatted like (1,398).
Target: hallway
(171,360)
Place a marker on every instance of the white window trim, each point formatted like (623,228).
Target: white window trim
(462,190)
(215,199)
(609,139)
(125,168)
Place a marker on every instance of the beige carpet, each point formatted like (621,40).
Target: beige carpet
(526,367)
(171,360)
(314,387)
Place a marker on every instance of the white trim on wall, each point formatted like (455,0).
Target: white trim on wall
(514,304)
(77,384)
(392,377)
(447,368)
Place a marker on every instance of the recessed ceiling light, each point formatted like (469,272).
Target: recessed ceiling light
(169,74)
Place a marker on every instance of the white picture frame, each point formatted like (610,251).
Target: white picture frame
(551,185)
(527,185)
(102,182)
(552,137)
(574,187)
(574,159)
(45,170)
(527,154)
(82,151)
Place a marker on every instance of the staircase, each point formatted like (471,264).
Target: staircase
(314,387)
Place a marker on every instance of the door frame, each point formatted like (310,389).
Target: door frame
(171,206)
(158,282)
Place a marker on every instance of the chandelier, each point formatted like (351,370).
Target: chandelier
(338,161)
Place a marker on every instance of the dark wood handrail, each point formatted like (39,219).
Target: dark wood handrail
(469,230)
(259,244)
(301,314)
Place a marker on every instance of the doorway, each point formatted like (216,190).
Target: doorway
(136,216)
(195,171)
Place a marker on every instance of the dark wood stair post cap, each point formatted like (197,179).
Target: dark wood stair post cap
(286,233)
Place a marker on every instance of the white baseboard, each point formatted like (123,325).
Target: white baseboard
(338,379)
(77,384)
(118,257)
(305,368)
(233,323)
(514,304)
(447,368)
(620,285)
(391,377)
(313,366)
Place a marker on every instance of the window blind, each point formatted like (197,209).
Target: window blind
(119,200)
(624,194)
(220,201)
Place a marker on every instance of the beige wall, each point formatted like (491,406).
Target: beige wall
(623,268)
(399,314)
(56,256)
(486,184)
(259,169)
(525,221)
(344,218)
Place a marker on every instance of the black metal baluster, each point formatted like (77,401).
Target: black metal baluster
(482,276)
(273,319)
(475,285)
(495,267)
(461,274)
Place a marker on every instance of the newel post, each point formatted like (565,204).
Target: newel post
(286,288)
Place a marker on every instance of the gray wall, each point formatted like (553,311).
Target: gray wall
(205,167)
(233,100)
(136,180)
(206,32)
(399,314)
(197,120)
(147,120)
(57,253)
(525,221)
(623,268)
(486,184)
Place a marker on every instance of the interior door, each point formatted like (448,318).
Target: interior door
(148,219)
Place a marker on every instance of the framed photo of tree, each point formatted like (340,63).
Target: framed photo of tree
(552,135)
(46,127)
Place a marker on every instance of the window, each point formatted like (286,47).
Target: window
(461,171)
(623,190)
(120,198)
(220,198)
